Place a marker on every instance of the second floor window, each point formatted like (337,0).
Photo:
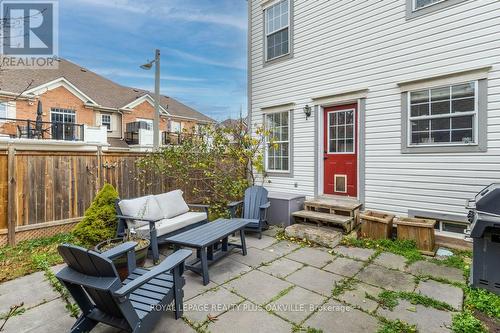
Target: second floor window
(444,115)
(3,111)
(419,4)
(277,27)
(106,121)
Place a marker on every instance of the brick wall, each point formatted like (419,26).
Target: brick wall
(56,98)
(146,111)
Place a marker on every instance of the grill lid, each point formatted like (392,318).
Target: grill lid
(487,200)
(483,222)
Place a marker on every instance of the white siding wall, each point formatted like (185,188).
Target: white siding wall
(343,45)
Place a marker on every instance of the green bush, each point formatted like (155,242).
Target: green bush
(99,222)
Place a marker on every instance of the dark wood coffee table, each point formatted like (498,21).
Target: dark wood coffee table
(211,243)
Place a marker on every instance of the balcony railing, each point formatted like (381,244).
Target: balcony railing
(41,130)
(176,138)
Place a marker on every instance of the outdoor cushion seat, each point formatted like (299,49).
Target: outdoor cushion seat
(166,226)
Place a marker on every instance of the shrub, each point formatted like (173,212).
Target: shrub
(99,221)
(465,322)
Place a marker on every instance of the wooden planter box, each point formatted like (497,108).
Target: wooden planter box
(376,225)
(419,230)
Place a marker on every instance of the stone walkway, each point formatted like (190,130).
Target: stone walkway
(277,287)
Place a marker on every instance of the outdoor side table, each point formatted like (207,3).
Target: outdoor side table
(211,242)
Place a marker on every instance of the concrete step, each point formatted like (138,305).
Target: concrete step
(324,217)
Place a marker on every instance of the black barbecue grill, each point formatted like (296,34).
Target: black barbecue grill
(484,216)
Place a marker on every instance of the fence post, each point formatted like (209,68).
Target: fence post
(99,181)
(12,197)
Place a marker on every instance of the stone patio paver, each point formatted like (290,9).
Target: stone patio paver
(297,304)
(272,231)
(386,278)
(212,303)
(226,269)
(344,266)
(31,290)
(357,296)
(439,271)
(442,292)
(257,286)
(428,320)
(391,260)
(255,257)
(246,319)
(332,319)
(253,241)
(194,285)
(282,248)
(168,324)
(281,267)
(46,318)
(354,252)
(315,279)
(311,256)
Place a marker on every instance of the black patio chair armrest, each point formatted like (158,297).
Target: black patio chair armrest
(232,208)
(200,206)
(175,259)
(142,219)
(119,250)
(71,276)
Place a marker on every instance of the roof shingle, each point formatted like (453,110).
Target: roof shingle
(103,91)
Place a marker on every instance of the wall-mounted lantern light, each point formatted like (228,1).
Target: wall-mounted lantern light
(307,111)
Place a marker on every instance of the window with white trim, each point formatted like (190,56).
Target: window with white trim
(3,111)
(106,121)
(277,27)
(443,115)
(278,143)
(419,4)
(175,126)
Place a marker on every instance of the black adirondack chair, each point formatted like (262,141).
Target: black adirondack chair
(255,206)
(134,305)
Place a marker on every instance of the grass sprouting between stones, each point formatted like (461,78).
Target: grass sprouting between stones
(465,322)
(397,326)
(389,299)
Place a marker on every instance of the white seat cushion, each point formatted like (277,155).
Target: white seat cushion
(141,208)
(166,226)
(172,204)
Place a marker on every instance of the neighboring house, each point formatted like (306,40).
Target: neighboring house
(107,112)
(404,100)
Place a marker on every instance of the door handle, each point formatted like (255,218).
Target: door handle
(325,158)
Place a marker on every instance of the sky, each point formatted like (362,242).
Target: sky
(203,45)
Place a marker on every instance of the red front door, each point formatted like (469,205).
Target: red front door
(341,152)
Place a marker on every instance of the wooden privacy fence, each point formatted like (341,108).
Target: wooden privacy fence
(43,193)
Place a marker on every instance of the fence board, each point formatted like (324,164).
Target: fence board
(4,191)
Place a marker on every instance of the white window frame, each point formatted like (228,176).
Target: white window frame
(354,131)
(57,110)
(6,108)
(267,34)
(415,9)
(475,114)
(103,123)
(172,122)
(266,151)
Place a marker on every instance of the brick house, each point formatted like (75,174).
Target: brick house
(82,106)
